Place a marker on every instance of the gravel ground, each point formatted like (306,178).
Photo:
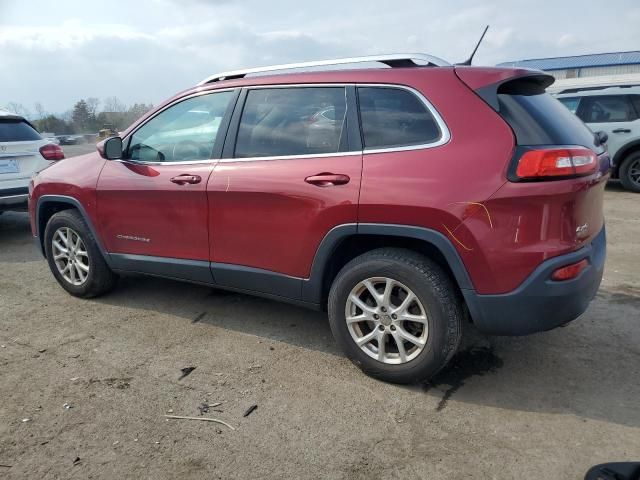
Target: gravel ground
(544,406)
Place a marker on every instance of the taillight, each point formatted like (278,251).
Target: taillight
(556,162)
(570,271)
(52,152)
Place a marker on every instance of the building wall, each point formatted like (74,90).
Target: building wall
(595,71)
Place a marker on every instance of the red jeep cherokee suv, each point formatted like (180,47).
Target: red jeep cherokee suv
(405,200)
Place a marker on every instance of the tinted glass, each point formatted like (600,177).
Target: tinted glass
(393,117)
(292,121)
(184,132)
(571,103)
(17,131)
(540,119)
(635,99)
(610,108)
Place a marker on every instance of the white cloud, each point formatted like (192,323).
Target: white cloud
(147,50)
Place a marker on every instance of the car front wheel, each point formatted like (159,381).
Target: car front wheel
(396,314)
(74,257)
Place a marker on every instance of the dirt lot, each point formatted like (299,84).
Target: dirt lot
(544,406)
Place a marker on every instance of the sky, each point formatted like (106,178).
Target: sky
(57,52)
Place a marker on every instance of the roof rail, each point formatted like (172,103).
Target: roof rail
(596,87)
(392,60)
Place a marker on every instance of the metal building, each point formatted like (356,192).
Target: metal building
(615,68)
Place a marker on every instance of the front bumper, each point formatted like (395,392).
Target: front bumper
(14,199)
(540,303)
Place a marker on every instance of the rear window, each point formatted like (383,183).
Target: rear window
(537,118)
(17,131)
(394,117)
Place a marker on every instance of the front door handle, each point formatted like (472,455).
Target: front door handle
(327,179)
(622,130)
(186,178)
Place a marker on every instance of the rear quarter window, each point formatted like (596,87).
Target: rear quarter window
(17,131)
(394,117)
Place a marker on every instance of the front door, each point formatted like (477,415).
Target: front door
(287,177)
(152,204)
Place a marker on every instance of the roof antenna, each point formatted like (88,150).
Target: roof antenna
(468,61)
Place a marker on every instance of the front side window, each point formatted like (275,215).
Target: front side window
(394,117)
(604,109)
(292,121)
(571,103)
(185,131)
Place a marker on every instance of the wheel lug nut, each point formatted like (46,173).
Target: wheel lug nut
(384,309)
(376,316)
(381,328)
(394,316)
(393,328)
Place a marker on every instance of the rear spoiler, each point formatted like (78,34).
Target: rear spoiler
(489,82)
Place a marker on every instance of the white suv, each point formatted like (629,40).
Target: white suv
(616,111)
(23,152)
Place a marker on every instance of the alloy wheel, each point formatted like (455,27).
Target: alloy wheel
(70,256)
(387,320)
(634,172)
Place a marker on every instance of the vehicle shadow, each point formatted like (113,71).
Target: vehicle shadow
(590,368)
(16,241)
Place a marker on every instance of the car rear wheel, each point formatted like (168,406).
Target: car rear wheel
(74,257)
(630,172)
(396,314)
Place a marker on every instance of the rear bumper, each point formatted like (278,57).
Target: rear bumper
(540,303)
(14,198)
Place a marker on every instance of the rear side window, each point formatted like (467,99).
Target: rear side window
(571,103)
(17,131)
(292,121)
(394,117)
(537,118)
(607,108)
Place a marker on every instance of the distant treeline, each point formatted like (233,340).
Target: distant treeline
(87,116)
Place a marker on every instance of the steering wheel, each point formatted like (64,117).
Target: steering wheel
(186,150)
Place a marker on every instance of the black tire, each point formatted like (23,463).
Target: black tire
(436,293)
(628,172)
(100,279)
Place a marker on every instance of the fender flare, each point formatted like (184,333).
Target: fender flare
(45,199)
(312,287)
(622,153)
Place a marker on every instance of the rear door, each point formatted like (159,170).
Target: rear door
(19,155)
(613,114)
(290,173)
(153,202)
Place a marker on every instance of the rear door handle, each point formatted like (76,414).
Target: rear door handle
(327,179)
(186,178)
(622,130)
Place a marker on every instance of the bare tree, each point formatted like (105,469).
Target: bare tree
(112,104)
(18,109)
(92,105)
(40,111)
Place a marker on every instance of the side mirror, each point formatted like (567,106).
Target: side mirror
(601,137)
(111,148)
